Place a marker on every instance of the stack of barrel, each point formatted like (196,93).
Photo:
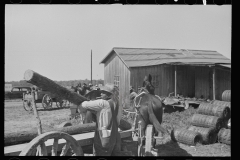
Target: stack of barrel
(208,124)
(224,135)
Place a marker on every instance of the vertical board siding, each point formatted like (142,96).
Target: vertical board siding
(165,72)
(223,82)
(203,82)
(114,66)
(185,81)
(191,81)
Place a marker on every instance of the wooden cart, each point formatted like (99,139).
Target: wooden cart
(146,143)
(44,97)
(37,145)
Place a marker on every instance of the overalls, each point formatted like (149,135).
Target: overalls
(108,146)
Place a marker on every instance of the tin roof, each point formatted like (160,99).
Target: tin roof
(228,66)
(136,57)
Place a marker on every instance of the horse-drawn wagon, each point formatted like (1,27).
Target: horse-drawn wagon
(41,96)
(37,146)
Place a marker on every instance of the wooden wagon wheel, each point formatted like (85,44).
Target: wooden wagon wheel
(46,101)
(39,143)
(149,140)
(27,105)
(140,140)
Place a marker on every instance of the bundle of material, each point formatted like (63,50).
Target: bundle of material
(224,136)
(221,111)
(206,121)
(209,135)
(226,96)
(127,120)
(186,136)
(125,125)
(223,103)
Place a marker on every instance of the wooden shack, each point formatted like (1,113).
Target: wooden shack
(191,73)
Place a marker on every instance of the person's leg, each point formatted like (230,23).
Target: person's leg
(117,146)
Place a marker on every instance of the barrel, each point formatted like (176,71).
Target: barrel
(209,135)
(221,111)
(226,96)
(229,123)
(206,121)
(186,136)
(224,136)
(228,104)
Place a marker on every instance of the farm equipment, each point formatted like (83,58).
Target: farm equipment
(146,143)
(42,96)
(37,145)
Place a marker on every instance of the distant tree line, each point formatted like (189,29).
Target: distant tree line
(62,83)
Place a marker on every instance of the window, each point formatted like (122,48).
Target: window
(116,80)
(155,81)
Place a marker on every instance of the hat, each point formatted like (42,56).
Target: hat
(107,88)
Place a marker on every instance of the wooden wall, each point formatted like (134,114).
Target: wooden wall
(203,82)
(192,81)
(166,85)
(223,82)
(185,80)
(114,66)
(165,79)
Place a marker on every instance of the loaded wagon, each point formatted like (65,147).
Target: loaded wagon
(38,145)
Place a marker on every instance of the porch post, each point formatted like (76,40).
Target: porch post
(214,73)
(175,73)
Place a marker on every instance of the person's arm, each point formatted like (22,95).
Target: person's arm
(95,105)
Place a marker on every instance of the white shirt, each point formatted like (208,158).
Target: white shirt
(103,112)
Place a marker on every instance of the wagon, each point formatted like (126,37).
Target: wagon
(145,143)
(37,145)
(41,96)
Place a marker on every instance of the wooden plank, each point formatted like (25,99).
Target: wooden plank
(84,139)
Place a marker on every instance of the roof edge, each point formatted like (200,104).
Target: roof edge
(164,49)
(102,61)
(116,54)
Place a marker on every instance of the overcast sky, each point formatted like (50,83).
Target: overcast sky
(56,40)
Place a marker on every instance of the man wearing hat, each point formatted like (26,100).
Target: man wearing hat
(107,140)
(90,86)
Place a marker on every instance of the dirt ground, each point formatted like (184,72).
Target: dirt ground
(16,119)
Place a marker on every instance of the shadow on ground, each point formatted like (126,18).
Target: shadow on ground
(171,149)
(168,149)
